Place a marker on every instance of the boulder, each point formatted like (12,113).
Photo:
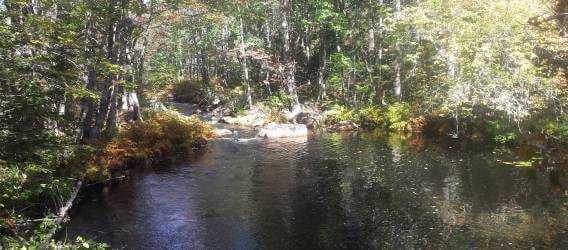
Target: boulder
(274,130)
(222,132)
(157,105)
(290,115)
(345,126)
(311,120)
(254,117)
(221,111)
(228,120)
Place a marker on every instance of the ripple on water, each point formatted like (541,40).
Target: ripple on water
(333,191)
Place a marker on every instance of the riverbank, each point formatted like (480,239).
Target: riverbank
(37,198)
(535,145)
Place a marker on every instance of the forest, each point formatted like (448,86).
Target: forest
(86,86)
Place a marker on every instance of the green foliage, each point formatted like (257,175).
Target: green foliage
(501,132)
(161,72)
(398,116)
(506,138)
(338,113)
(554,129)
(559,130)
(29,189)
(481,62)
(274,107)
(279,101)
(235,99)
(372,117)
(78,243)
(29,182)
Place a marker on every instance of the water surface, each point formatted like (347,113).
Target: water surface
(334,191)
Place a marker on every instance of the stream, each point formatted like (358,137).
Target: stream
(334,191)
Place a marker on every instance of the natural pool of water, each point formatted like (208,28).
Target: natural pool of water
(334,191)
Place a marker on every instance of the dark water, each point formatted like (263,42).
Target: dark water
(332,192)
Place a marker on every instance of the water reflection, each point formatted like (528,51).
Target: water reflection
(335,191)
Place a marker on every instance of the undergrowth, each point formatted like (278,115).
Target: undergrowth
(30,191)
(161,136)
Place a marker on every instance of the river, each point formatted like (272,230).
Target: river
(333,191)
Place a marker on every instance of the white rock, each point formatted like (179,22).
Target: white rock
(222,132)
(274,130)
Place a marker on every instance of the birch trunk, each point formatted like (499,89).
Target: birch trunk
(398,60)
(322,69)
(244,63)
(289,64)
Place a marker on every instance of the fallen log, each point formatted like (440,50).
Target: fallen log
(60,218)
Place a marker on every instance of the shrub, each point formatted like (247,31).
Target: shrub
(339,113)
(398,116)
(235,99)
(29,190)
(372,117)
(273,113)
(506,138)
(188,91)
(282,100)
(36,243)
(418,124)
(553,128)
(160,136)
(500,132)
(437,126)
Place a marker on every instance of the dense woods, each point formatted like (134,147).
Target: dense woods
(442,58)
(74,74)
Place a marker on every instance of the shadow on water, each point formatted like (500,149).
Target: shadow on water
(334,191)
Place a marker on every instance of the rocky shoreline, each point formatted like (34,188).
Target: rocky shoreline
(297,123)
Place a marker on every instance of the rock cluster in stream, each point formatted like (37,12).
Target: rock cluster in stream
(297,122)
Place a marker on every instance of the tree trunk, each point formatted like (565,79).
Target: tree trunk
(397,70)
(289,64)
(371,40)
(204,70)
(113,115)
(322,69)
(225,53)
(109,86)
(89,108)
(371,45)
(63,211)
(381,89)
(244,63)
(398,61)
(131,101)
(131,104)
(140,48)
